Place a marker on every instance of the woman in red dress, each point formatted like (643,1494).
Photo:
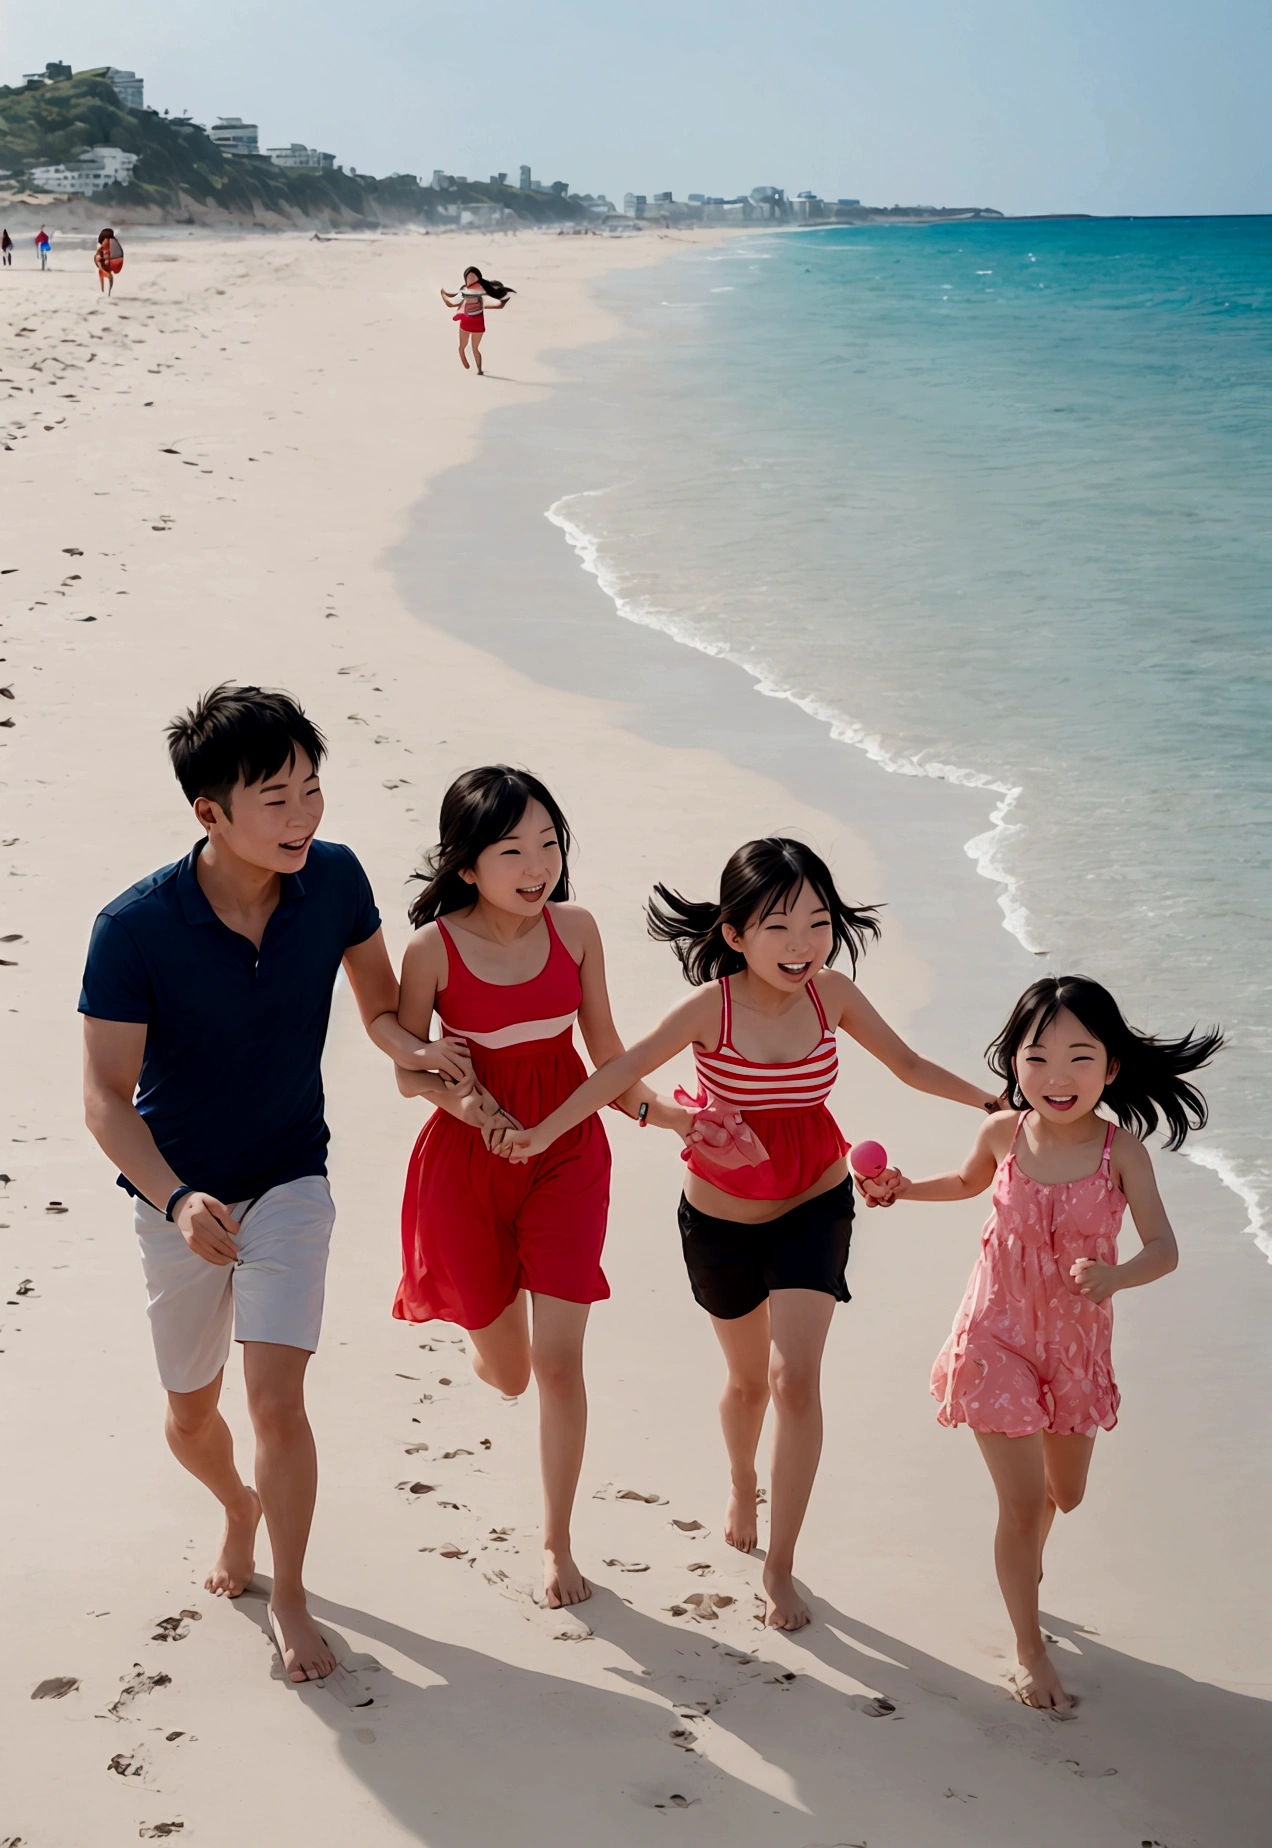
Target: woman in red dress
(471,303)
(508,965)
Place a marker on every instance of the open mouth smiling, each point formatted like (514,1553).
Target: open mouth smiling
(796,970)
(532,894)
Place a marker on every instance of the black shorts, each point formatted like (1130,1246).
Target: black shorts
(733,1267)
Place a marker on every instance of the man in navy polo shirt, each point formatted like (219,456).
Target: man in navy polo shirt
(206,998)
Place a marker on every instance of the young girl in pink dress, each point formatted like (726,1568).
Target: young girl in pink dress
(766,1215)
(508,966)
(1028,1364)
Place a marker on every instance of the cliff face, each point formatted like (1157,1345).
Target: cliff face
(182,177)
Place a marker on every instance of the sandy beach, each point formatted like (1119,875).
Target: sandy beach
(227,472)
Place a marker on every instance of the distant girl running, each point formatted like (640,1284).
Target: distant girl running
(108,259)
(6,249)
(508,965)
(1028,1363)
(471,302)
(766,1215)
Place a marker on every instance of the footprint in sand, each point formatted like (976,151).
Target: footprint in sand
(138,1683)
(609,1493)
(57,1687)
(627,1565)
(691,1527)
(159,1831)
(128,1764)
(175,1629)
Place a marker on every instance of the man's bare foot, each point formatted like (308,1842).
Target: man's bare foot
(741,1528)
(306,1657)
(563,1583)
(1038,1685)
(236,1561)
(787,1610)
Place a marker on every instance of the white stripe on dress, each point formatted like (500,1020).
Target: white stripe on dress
(519,1034)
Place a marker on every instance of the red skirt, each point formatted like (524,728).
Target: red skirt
(476,1230)
(470,323)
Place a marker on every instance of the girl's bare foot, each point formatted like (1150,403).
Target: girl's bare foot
(1038,1685)
(306,1656)
(563,1583)
(236,1561)
(741,1527)
(787,1610)
(463,362)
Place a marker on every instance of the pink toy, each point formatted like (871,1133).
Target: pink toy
(868,1159)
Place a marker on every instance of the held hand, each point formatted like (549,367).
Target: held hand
(521,1145)
(1094,1280)
(207,1227)
(884,1189)
(450,1059)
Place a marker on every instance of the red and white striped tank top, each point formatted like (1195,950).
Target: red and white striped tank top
(795,1084)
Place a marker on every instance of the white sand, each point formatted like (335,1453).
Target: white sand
(332,367)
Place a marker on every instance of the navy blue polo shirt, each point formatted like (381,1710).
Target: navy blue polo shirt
(231,1080)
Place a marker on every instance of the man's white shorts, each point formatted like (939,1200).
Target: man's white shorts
(273,1293)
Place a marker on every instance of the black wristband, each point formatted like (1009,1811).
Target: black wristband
(174,1199)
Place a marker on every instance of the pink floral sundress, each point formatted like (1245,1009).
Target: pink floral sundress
(1027,1352)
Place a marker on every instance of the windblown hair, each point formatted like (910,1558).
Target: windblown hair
(1151,1072)
(497,291)
(759,879)
(481,807)
(235,732)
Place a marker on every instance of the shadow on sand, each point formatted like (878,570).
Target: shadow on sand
(485,1751)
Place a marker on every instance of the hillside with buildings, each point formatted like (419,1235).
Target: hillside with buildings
(67,138)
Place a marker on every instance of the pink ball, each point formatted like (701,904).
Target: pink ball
(868,1159)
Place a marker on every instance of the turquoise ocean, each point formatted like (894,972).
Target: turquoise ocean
(993,501)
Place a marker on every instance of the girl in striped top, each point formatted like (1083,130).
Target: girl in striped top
(766,1214)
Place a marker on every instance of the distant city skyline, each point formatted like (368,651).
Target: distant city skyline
(1148,106)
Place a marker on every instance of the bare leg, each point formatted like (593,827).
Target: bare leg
(200,1440)
(501,1350)
(287,1478)
(1018,1468)
(557,1354)
(743,1403)
(463,349)
(477,352)
(800,1322)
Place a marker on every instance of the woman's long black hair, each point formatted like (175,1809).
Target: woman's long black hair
(759,878)
(481,807)
(1151,1072)
(497,291)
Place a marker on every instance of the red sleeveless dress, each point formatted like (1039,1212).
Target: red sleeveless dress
(476,1230)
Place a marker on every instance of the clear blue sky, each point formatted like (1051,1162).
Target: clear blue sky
(1029,105)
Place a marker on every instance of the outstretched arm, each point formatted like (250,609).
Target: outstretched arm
(972,1178)
(681,1027)
(850,1010)
(581,935)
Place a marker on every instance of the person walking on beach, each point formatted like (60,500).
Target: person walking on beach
(766,1214)
(206,997)
(6,248)
(108,259)
(508,965)
(42,247)
(1028,1363)
(471,302)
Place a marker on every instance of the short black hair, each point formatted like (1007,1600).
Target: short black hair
(234,732)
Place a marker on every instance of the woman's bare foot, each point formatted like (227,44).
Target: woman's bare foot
(741,1527)
(306,1657)
(787,1610)
(236,1561)
(1038,1685)
(463,360)
(563,1583)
